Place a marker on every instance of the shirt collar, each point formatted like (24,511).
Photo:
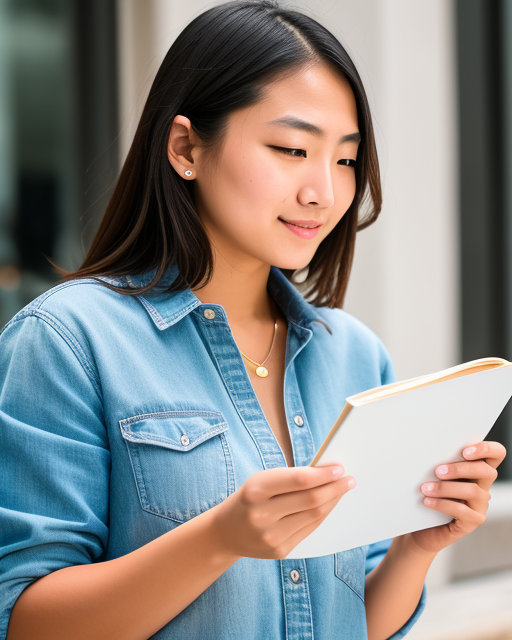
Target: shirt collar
(166,309)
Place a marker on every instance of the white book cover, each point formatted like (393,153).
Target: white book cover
(393,444)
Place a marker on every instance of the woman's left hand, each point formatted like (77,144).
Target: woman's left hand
(463,492)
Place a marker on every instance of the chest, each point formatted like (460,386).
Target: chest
(270,392)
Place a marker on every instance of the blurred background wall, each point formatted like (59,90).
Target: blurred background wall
(432,277)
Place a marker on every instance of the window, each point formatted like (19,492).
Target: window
(58,129)
(484,201)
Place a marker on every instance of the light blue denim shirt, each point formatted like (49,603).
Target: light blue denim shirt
(123,417)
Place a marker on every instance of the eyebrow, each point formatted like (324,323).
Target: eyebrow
(302,125)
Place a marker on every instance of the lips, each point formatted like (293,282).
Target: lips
(302,231)
(305,224)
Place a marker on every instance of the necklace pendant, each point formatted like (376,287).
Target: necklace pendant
(262,372)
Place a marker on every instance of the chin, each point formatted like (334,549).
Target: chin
(291,263)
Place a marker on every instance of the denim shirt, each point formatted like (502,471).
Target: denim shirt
(123,417)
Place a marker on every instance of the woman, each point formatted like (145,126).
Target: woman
(155,478)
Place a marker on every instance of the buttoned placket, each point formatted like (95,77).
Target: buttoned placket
(297,604)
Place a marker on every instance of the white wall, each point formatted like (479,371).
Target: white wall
(405,283)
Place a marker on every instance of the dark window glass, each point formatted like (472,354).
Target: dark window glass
(483,119)
(58,128)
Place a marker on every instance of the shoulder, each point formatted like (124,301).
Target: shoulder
(353,339)
(346,326)
(79,316)
(76,302)
(51,333)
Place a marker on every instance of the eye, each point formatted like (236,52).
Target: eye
(289,152)
(302,154)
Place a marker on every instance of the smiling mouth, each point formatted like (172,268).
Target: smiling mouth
(302,226)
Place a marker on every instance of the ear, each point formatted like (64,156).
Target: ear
(183,147)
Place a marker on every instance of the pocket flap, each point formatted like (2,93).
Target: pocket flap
(178,430)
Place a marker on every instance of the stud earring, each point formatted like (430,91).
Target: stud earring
(188,172)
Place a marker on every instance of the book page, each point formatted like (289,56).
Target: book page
(474,366)
(393,445)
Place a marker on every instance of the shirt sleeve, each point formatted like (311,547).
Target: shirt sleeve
(378,550)
(54,456)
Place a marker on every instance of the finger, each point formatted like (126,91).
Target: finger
(272,482)
(293,528)
(297,537)
(477,470)
(468,518)
(492,452)
(475,497)
(310,499)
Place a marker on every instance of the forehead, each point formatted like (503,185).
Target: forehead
(317,94)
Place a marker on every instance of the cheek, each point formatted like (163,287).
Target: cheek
(240,199)
(254,181)
(252,191)
(345,192)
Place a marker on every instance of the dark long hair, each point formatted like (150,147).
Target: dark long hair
(221,62)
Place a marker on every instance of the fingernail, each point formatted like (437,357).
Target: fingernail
(338,471)
(428,487)
(351,483)
(443,470)
(469,451)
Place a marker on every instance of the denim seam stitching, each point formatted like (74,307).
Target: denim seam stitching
(162,322)
(172,414)
(306,587)
(284,599)
(156,317)
(139,476)
(343,580)
(142,500)
(31,307)
(229,464)
(44,296)
(232,391)
(69,339)
(143,437)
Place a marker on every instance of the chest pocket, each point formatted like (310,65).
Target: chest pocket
(349,566)
(181,461)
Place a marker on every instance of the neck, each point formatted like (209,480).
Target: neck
(241,291)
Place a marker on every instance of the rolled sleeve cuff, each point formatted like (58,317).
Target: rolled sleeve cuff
(14,592)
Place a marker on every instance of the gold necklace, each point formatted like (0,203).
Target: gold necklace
(260,370)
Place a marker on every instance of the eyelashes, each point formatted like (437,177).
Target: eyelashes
(345,161)
(288,152)
(348,162)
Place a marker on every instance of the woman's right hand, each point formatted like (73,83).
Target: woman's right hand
(277,508)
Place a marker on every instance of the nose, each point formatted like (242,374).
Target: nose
(317,189)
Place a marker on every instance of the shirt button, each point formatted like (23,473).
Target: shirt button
(209,313)
(184,440)
(294,575)
(298,421)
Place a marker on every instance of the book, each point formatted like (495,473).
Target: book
(391,439)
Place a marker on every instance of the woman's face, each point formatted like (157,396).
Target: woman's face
(268,172)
